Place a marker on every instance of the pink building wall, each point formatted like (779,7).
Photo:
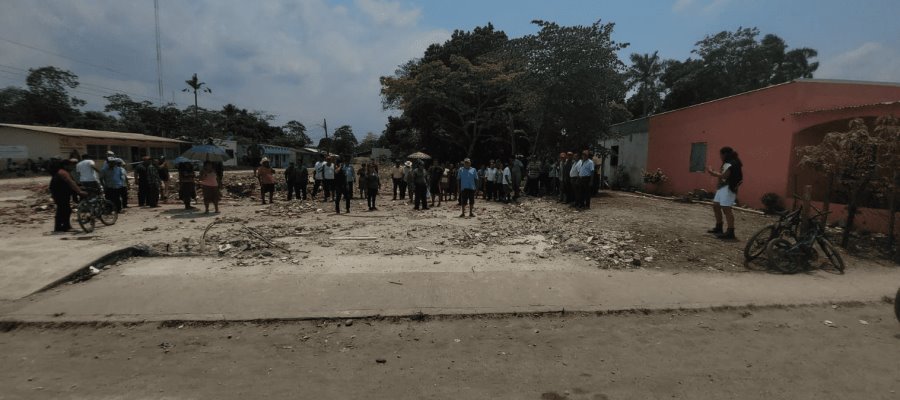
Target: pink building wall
(760,126)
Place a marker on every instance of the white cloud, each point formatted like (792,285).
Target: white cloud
(385,12)
(303,60)
(871,61)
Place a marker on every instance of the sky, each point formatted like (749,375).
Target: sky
(309,60)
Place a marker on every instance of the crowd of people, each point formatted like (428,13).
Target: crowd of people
(571,179)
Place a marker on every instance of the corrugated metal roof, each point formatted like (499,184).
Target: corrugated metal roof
(87,133)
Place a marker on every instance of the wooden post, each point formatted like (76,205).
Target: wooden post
(807,209)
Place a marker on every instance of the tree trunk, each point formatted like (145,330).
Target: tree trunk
(851,216)
(471,149)
(512,134)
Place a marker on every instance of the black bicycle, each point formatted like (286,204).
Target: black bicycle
(787,225)
(790,257)
(92,208)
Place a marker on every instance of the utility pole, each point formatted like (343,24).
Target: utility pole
(158,53)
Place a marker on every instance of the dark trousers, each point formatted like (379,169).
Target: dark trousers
(123,197)
(316,186)
(397,186)
(142,195)
(571,190)
(152,196)
(62,219)
(488,190)
(329,188)
(297,189)
(349,192)
(421,191)
(371,194)
(587,191)
(114,195)
(338,194)
(410,189)
(532,187)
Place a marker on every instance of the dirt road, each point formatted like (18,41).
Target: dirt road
(773,353)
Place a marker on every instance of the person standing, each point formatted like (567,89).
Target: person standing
(373,185)
(730,177)
(490,176)
(452,190)
(187,189)
(351,178)
(585,177)
(409,181)
(301,180)
(209,184)
(361,179)
(153,183)
(328,174)
(318,170)
(114,183)
(436,172)
(88,177)
(163,171)
(553,176)
(62,186)
(517,170)
(140,177)
(397,180)
(420,182)
(467,179)
(534,174)
(266,176)
(506,181)
(339,186)
(290,181)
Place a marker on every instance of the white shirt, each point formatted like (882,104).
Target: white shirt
(507,176)
(576,168)
(86,172)
(328,171)
(318,174)
(490,174)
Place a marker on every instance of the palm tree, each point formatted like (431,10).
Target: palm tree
(644,74)
(194,85)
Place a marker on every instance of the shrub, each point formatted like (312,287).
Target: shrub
(772,203)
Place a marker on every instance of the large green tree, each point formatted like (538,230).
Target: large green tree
(729,63)
(47,100)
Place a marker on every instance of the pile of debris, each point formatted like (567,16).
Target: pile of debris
(37,207)
(291,209)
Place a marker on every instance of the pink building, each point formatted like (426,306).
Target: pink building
(765,127)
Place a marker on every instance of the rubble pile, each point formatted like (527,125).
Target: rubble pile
(291,209)
(36,208)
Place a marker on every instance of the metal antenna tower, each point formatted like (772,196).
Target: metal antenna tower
(158,52)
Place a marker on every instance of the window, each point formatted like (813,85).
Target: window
(698,157)
(614,156)
(97,151)
(121,151)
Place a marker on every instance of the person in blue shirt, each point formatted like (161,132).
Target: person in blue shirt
(585,173)
(114,181)
(468,181)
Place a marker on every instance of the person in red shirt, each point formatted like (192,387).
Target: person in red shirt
(266,176)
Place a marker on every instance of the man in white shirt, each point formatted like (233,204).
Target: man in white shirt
(489,180)
(585,174)
(506,183)
(317,176)
(88,177)
(328,177)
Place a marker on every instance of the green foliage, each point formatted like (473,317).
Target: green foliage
(343,142)
(479,90)
(729,63)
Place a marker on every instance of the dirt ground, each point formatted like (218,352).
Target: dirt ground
(621,231)
(814,352)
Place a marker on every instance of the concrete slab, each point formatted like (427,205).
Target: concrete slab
(28,265)
(155,289)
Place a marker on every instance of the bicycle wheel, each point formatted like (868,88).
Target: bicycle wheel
(778,255)
(757,244)
(85,217)
(833,256)
(108,214)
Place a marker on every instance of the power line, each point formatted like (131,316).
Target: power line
(27,46)
(84,85)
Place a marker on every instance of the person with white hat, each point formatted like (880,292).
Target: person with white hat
(409,185)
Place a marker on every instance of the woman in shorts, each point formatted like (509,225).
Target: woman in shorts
(730,176)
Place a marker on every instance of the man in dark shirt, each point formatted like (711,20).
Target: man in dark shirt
(339,187)
(141,178)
